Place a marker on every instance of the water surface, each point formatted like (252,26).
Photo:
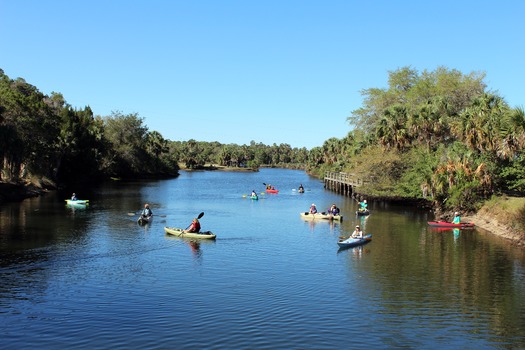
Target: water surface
(91,277)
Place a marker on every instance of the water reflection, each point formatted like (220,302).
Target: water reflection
(270,280)
(456,232)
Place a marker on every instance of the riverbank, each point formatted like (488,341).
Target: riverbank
(212,167)
(16,192)
(502,216)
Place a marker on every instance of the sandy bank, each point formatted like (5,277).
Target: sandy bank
(497,228)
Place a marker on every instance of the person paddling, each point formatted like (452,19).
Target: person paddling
(357,232)
(146,213)
(457,218)
(194,227)
(333,210)
(363,206)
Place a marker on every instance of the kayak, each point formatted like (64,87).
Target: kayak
(450,224)
(354,242)
(143,220)
(272,191)
(362,212)
(77,201)
(254,197)
(321,216)
(175,231)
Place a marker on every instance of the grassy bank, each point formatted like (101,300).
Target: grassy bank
(503,216)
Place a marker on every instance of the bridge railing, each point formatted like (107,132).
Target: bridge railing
(346,178)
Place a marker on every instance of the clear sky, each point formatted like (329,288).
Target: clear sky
(233,71)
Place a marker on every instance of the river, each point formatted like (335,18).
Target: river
(75,278)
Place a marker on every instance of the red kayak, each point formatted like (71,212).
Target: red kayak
(450,224)
(272,191)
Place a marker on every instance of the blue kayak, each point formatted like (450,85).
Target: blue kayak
(354,242)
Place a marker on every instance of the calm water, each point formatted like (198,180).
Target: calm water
(92,278)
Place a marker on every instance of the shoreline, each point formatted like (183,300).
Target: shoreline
(11,192)
(494,227)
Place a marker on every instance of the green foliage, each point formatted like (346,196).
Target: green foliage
(456,143)
(513,174)
(195,154)
(43,136)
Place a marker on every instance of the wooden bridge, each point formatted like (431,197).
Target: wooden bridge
(342,183)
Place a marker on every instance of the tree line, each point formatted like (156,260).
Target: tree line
(44,138)
(440,135)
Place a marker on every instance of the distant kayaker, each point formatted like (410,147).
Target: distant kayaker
(254,194)
(333,210)
(357,232)
(313,209)
(74,197)
(457,218)
(268,187)
(195,226)
(146,213)
(363,205)
(301,188)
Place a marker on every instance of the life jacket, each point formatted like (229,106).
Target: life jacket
(196,226)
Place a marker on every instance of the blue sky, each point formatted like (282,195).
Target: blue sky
(268,71)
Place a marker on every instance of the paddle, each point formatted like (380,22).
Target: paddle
(198,217)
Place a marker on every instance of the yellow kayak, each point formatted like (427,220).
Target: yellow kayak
(175,231)
(321,216)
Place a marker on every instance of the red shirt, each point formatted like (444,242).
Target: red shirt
(195,227)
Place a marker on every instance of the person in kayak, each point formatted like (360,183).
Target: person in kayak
(457,218)
(195,226)
(357,232)
(313,209)
(363,206)
(74,197)
(254,194)
(301,188)
(146,213)
(333,210)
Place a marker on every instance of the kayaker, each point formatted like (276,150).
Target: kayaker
(301,188)
(357,232)
(146,212)
(313,209)
(74,197)
(254,194)
(363,205)
(268,187)
(195,226)
(333,210)
(457,218)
